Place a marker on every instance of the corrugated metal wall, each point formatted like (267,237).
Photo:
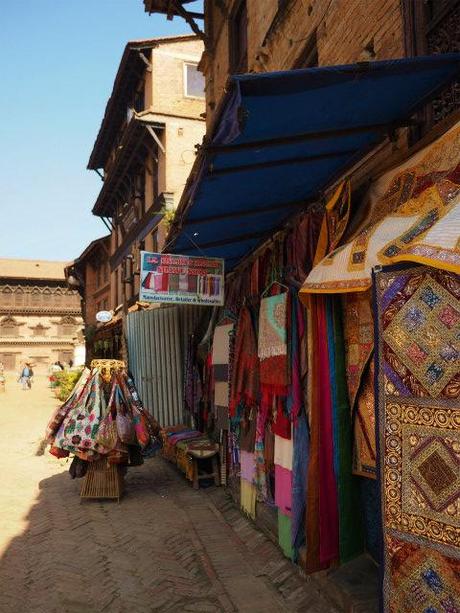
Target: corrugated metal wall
(157,345)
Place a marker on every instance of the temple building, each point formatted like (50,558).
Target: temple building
(40,317)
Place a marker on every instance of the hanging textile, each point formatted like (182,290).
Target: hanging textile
(328,509)
(350,529)
(418,375)
(283,452)
(248,498)
(261,466)
(284,534)
(273,345)
(335,221)
(220,365)
(414,216)
(248,468)
(301,450)
(245,371)
(283,489)
(365,449)
(358,329)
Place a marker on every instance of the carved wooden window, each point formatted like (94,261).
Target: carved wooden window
(35,297)
(238,38)
(7,296)
(39,330)
(433,26)
(8,327)
(19,297)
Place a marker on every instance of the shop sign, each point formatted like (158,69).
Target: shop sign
(181,279)
(104,316)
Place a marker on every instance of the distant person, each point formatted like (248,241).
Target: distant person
(60,365)
(26,375)
(70,363)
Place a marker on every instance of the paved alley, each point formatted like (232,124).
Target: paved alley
(164,548)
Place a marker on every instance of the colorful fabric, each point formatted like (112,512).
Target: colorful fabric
(283,452)
(248,467)
(273,347)
(245,371)
(328,509)
(261,469)
(364,446)
(335,221)
(220,362)
(284,535)
(418,373)
(248,498)
(283,489)
(358,328)
(301,449)
(422,579)
(350,529)
(79,429)
(414,217)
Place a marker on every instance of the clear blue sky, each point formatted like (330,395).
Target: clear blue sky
(58,60)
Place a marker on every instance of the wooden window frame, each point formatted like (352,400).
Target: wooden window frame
(237,63)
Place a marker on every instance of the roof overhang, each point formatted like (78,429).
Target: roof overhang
(284,137)
(132,147)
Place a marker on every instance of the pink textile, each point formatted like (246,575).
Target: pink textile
(283,489)
(328,510)
(248,466)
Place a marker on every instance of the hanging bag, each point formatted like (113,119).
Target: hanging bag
(124,420)
(107,434)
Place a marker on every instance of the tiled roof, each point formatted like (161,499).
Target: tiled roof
(31,269)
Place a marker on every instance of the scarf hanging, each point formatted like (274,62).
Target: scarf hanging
(245,372)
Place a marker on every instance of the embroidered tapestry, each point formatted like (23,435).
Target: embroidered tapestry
(364,447)
(358,330)
(413,216)
(418,368)
(272,349)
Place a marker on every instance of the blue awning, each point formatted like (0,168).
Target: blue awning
(284,137)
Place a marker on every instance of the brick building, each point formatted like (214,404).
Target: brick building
(145,149)
(239,37)
(40,317)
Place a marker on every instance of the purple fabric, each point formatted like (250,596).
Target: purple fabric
(393,377)
(248,467)
(396,286)
(184,436)
(283,489)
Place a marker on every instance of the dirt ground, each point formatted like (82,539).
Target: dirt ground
(165,547)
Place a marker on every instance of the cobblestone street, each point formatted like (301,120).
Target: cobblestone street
(164,548)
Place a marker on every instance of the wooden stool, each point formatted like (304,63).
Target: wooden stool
(103,480)
(204,451)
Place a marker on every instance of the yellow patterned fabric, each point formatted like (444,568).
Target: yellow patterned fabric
(418,372)
(414,216)
(364,444)
(248,498)
(335,221)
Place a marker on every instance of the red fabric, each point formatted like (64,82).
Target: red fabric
(245,370)
(328,509)
(281,425)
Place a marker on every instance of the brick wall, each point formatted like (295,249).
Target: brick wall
(347,31)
